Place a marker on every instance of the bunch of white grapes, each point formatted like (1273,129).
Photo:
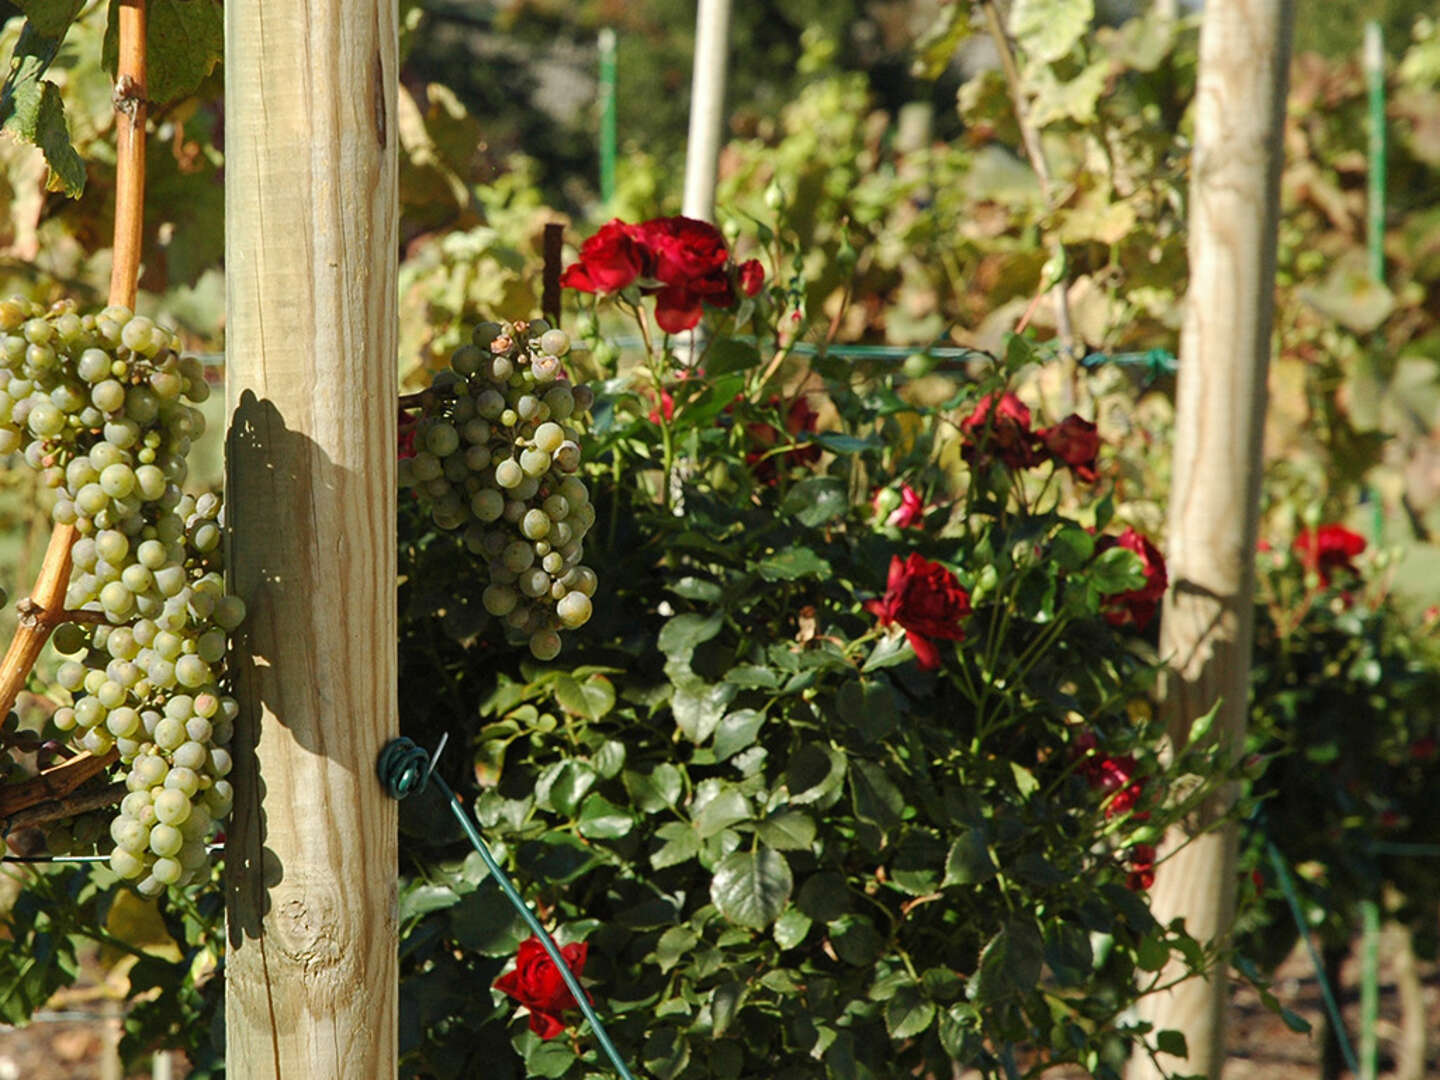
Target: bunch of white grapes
(101,405)
(496,460)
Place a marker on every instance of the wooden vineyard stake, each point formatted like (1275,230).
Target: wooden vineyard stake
(311,245)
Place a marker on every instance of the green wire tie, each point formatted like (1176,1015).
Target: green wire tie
(404,769)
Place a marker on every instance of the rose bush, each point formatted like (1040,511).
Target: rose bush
(810,784)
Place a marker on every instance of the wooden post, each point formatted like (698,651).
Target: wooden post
(1207,627)
(311,235)
(707,107)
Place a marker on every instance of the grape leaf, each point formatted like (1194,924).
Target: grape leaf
(30,107)
(1048,29)
(184,40)
(51,18)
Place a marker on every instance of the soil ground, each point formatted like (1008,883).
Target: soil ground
(73,1043)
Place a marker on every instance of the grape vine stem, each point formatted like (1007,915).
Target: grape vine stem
(46,602)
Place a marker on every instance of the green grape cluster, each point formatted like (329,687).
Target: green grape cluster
(102,406)
(497,461)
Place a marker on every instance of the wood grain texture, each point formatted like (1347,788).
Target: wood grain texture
(1207,624)
(311,234)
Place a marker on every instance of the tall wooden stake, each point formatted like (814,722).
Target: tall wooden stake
(1208,620)
(311,235)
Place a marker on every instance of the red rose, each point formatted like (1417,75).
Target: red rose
(902,510)
(1423,749)
(1142,867)
(666,406)
(926,601)
(752,277)
(1073,442)
(609,260)
(1327,549)
(405,435)
(537,984)
(1137,606)
(686,251)
(1007,435)
(678,309)
(800,420)
(1113,775)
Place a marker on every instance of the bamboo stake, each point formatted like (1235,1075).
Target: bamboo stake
(1207,626)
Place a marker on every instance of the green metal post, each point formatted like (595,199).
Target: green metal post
(607,113)
(1375,83)
(1374,62)
(1369,989)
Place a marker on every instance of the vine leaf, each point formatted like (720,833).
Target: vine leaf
(30,105)
(51,18)
(1049,29)
(184,40)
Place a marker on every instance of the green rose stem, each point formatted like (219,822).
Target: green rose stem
(656,364)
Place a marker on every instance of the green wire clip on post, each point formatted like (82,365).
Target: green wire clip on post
(404,769)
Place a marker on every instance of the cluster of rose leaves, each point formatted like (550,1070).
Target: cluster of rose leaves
(685,265)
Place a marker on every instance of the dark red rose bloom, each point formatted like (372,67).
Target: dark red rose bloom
(678,309)
(1074,443)
(1329,548)
(800,420)
(609,260)
(537,984)
(666,406)
(926,601)
(686,251)
(752,277)
(1137,606)
(1423,749)
(1113,775)
(1142,867)
(907,513)
(1006,436)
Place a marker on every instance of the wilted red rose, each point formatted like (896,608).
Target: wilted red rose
(1074,443)
(752,277)
(1137,606)
(1329,548)
(537,984)
(903,509)
(800,419)
(1006,436)
(925,600)
(609,260)
(1142,867)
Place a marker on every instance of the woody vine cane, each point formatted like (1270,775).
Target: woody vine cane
(44,609)
(103,405)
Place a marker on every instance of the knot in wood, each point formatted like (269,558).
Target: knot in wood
(307,929)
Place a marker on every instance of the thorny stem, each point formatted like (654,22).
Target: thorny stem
(48,596)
